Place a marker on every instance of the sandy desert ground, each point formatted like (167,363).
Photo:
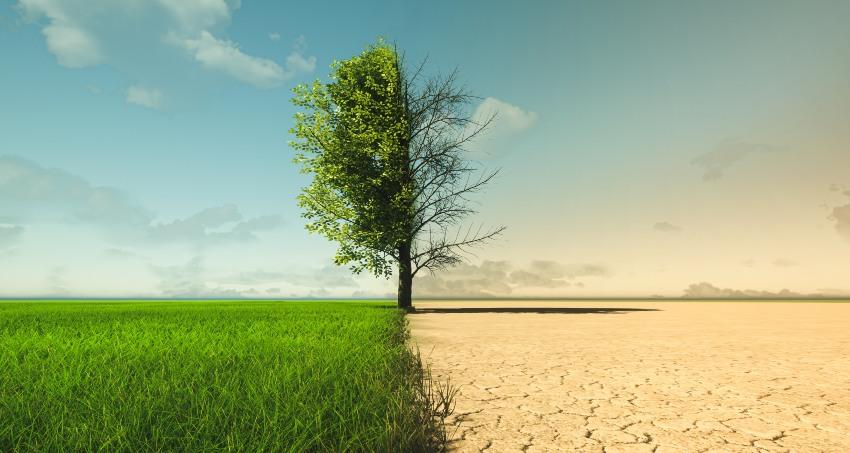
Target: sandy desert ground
(635,376)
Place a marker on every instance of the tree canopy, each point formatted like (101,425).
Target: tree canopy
(390,181)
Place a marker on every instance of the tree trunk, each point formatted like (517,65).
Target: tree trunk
(405,278)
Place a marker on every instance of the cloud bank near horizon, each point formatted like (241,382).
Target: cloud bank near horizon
(503,278)
(706,290)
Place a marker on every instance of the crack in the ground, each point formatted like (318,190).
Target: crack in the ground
(616,391)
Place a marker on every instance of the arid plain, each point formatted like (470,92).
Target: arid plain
(642,376)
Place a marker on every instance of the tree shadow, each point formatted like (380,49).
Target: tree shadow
(534,310)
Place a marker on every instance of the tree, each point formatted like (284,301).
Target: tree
(386,150)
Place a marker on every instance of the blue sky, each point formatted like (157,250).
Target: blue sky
(646,148)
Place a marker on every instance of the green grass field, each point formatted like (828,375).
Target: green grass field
(211,375)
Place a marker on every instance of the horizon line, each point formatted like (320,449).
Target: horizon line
(436,299)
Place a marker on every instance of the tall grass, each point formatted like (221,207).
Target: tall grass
(200,376)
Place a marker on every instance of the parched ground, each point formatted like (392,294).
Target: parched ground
(626,376)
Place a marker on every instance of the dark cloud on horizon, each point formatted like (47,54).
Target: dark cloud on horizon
(466,280)
(839,188)
(501,278)
(667,227)
(706,290)
(833,292)
(841,216)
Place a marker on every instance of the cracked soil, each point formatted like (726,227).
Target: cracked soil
(635,376)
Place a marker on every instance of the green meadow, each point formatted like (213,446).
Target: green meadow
(211,375)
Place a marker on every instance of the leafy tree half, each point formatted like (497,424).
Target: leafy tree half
(386,150)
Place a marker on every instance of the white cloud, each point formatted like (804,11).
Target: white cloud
(122,254)
(326,280)
(194,279)
(125,34)
(505,120)
(213,224)
(262,223)
(297,64)
(34,193)
(256,277)
(507,116)
(226,56)
(327,277)
(10,233)
(73,45)
(274,36)
(30,190)
(189,280)
(55,280)
(198,224)
(150,98)
(193,16)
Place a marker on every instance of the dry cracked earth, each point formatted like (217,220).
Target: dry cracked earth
(625,376)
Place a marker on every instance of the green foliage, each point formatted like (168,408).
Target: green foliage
(386,149)
(353,137)
(209,376)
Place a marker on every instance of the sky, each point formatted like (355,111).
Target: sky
(655,148)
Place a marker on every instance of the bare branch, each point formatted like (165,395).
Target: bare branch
(442,254)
